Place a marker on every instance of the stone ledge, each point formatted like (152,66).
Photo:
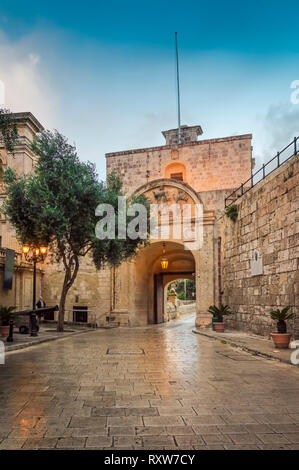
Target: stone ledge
(38,340)
(249,343)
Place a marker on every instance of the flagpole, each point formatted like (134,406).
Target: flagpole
(178,87)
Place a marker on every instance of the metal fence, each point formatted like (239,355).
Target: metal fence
(281,157)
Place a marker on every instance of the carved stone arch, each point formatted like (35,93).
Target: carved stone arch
(167,182)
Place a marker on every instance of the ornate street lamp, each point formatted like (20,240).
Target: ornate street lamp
(164,260)
(36,255)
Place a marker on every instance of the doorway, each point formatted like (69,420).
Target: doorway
(161,283)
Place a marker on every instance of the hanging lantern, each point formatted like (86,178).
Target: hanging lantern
(164,260)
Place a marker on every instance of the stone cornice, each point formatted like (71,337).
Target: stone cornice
(29,119)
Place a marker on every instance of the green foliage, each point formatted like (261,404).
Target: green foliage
(180,287)
(190,289)
(8,130)
(232,212)
(181,296)
(114,252)
(6,314)
(220,311)
(282,315)
(56,206)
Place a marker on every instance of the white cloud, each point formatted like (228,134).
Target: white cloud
(26,85)
(275,130)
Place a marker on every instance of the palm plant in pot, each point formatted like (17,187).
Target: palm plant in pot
(218,314)
(281,338)
(5,315)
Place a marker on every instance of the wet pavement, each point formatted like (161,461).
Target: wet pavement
(160,387)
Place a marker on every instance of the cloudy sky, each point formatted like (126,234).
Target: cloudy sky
(103,73)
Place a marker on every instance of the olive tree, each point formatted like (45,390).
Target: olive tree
(55,205)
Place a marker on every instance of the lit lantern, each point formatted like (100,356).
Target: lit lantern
(164,260)
(35,251)
(43,250)
(26,249)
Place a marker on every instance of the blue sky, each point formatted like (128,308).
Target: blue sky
(103,73)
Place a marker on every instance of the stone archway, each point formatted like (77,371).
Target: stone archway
(134,285)
(173,301)
(147,302)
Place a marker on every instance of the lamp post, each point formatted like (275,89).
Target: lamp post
(34,254)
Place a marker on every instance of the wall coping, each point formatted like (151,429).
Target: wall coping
(266,180)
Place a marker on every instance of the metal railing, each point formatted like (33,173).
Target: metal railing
(281,157)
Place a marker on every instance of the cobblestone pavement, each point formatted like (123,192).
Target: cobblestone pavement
(160,387)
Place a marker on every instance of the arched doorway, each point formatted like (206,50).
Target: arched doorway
(180,298)
(150,279)
(138,286)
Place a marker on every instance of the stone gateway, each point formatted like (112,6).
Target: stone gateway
(195,172)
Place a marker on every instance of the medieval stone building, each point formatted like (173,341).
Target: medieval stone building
(194,173)
(22,160)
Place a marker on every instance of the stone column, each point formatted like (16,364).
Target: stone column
(205,278)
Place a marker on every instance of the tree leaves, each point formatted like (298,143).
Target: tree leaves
(8,130)
(56,205)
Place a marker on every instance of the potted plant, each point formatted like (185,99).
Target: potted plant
(214,311)
(5,314)
(218,314)
(281,338)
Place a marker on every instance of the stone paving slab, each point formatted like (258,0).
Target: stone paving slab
(45,334)
(253,344)
(186,391)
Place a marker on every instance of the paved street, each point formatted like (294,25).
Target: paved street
(160,387)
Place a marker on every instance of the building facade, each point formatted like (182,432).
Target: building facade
(22,160)
(195,172)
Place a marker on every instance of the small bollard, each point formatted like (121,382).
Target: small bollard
(33,324)
(10,336)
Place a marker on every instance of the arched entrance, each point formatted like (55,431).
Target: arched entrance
(138,286)
(148,301)
(180,297)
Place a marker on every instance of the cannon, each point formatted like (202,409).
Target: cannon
(25,317)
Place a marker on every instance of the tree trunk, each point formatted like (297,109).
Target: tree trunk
(69,279)
(60,325)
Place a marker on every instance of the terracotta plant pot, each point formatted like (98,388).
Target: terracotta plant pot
(4,331)
(219,327)
(281,340)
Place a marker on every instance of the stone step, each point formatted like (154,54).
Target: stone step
(121,317)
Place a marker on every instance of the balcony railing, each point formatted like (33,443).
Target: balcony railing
(281,157)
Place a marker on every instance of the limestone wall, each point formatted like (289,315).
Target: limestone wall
(206,165)
(91,289)
(267,222)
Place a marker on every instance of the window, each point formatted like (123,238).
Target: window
(80,314)
(177,176)
(176,171)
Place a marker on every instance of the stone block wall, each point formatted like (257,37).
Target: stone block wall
(91,289)
(267,222)
(207,165)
